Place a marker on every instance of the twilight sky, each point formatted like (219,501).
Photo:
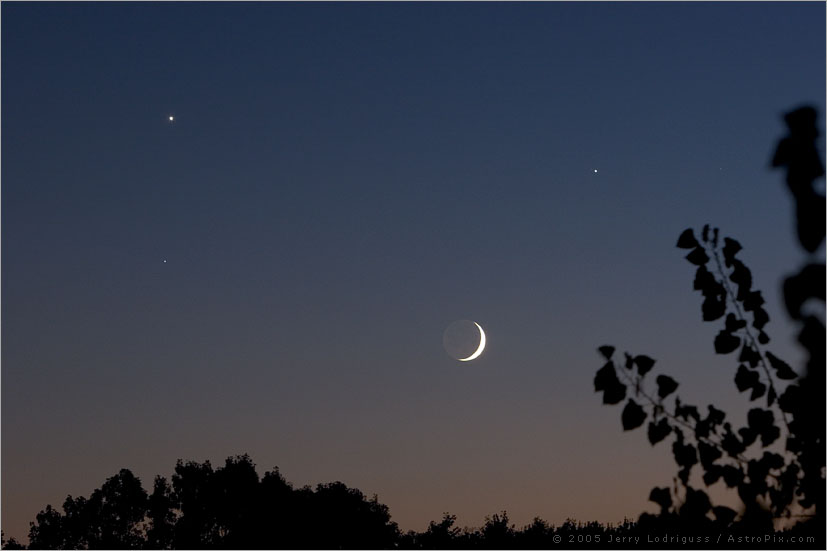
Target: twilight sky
(272,273)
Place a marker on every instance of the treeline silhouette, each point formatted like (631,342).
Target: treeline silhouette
(231,507)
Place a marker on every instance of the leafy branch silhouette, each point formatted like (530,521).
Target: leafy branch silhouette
(772,484)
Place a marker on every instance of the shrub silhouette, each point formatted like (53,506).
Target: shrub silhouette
(770,485)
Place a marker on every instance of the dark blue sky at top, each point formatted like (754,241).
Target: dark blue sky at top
(340,183)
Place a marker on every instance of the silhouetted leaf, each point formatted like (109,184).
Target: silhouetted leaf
(606,380)
(687,239)
(811,337)
(799,153)
(705,233)
(758,390)
(726,342)
(749,355)
(698,256)
(760,318)
(644,364)
(666,386)
(753,301)
(733,324)
(731,443)
(733,476)
(762,421)
(788,482)
(696,504)
(630,361)
(714,306)
(701,429)
(604,377)
(685,457)
(708,454)
(614,394)
(662,497)
(809,208)
(782,369)
(703,279)
(772,460)
(757,471)
(763,338)
(607,351)
(633,415)
(712,474)
(658,431)
(790,399)
(724,515)
(742,277)
(731,247)
(686,412)
(808,283)
(747,435)
(715,416)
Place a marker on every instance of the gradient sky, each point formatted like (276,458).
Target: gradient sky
(341,182)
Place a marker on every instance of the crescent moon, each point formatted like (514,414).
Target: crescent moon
(481,347)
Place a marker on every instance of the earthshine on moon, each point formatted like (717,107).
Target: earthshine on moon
(464,340)
(481,347)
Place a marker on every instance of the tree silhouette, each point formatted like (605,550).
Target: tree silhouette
(231,507)
(438,535)
(769,484)
(193,495)
(497,533)
(11,543)
(535,535)
(160,515)
(111,518)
